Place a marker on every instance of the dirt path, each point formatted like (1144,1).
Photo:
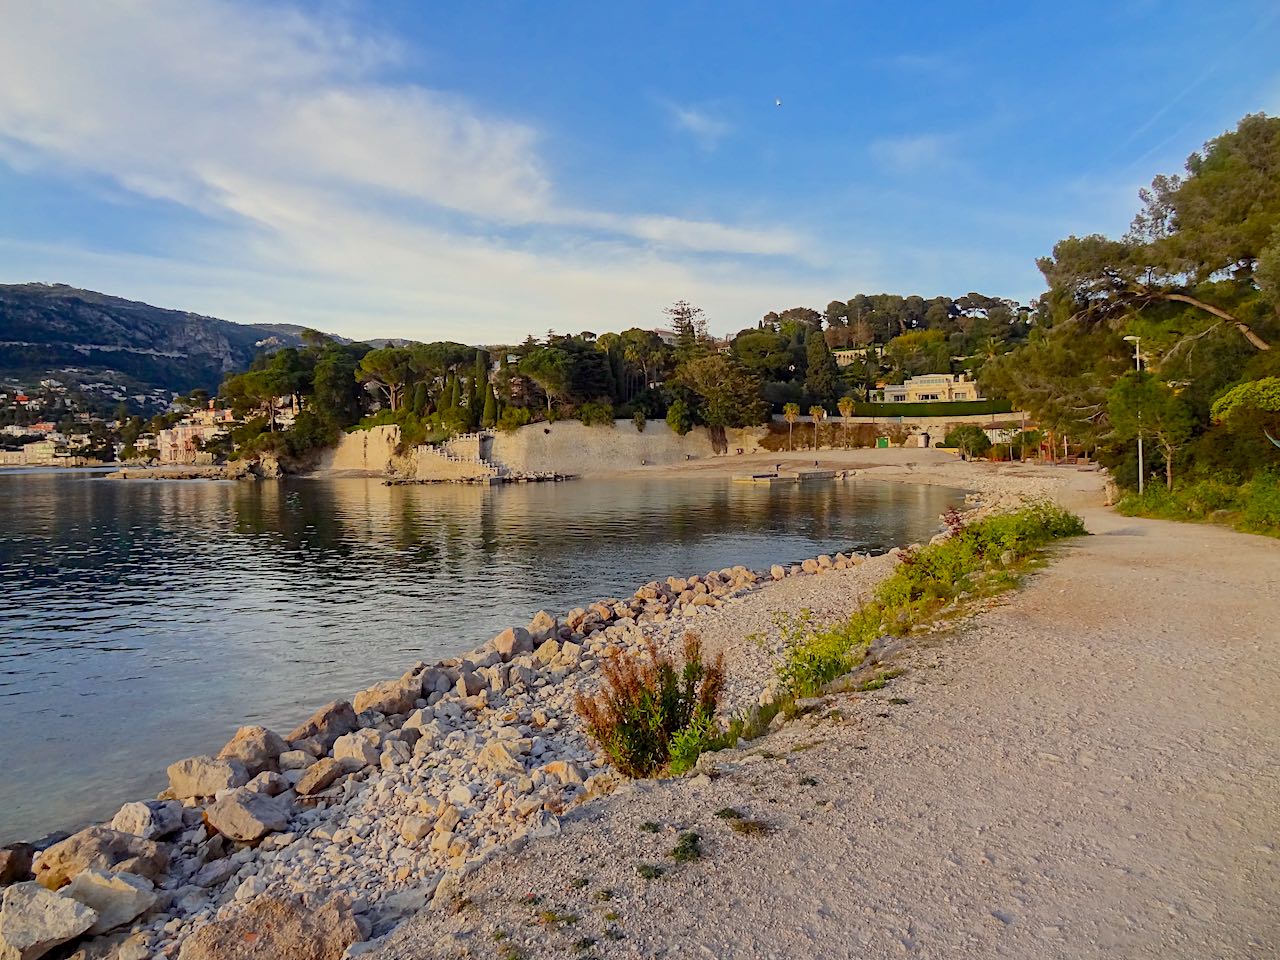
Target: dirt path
(1091,769)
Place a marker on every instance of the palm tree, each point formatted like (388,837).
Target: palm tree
(790,413)
(846,411)
(819,414)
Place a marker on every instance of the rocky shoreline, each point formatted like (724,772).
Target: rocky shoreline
(376,808)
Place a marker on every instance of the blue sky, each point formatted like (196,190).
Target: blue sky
(485,170)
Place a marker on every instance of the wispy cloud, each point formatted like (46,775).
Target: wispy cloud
(911,154)
(707,129)
(397,199)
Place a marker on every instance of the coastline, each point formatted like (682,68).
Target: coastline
(506,769)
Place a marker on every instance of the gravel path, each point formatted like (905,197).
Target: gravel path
(1089,769)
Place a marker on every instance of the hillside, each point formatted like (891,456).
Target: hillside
(83,338)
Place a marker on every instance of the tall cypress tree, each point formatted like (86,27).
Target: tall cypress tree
(490,407)
(822,378)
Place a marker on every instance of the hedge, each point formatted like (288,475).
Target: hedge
(935,408)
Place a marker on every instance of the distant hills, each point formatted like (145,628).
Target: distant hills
(83,338)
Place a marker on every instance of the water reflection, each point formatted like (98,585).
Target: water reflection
(144,621)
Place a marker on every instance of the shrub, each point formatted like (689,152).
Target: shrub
(652,714)
(925,581)
(513,418)
(638,418)
(679,417)
(596,413)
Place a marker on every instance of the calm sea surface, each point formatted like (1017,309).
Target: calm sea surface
(143,621)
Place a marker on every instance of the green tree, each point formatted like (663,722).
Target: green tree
(818,414)
(845,405)
(690,327)
(790,413)
(764,353)
(551,369)
(969,438)
(822,377)
(727,395)
(1139,403)
(490,415)
(388,368)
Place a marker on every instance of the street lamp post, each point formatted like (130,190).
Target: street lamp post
(1137,362)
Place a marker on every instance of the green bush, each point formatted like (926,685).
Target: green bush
(513,418)
(652,715)
(970,438)
(596,413)
(926,580)
(1253,507)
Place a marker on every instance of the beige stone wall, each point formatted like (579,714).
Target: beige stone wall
(430,465)
(570,447)
(370,451)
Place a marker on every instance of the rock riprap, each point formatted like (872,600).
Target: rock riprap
(298,846)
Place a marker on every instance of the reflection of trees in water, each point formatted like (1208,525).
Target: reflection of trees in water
(318,533)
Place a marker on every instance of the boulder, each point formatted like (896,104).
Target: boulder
(247,815)
(272,784)
(100,848)
(34,920)
(390,696)
(394,754)
(149,819)
(326,725)
(547,652)
(214,873)
(256,747)
(470,683)
(501,756)
(319,775)
(435,681)
(542,627)
(413,829)
(295,760)
(809,566)
(15,863)
(512,642)
(117,898)
(205,776)
(563,770)
(361,747)
(281,928)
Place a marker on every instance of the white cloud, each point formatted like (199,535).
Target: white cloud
(315,176)
(707,130)
(911,154)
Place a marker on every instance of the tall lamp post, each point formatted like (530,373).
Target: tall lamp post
(1137,362)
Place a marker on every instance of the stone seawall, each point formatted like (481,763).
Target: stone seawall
(371,452)
(571,447)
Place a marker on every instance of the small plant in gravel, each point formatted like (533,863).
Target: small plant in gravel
(613,933)
(651,713)
(651,871)
(750,828)
(808,782)
(585,943)
(511,953)
(553,918)
(898,701)
(531,899)
(579,883)
(613,916)
(880,680)
(728,813)
(688,848)
(604,895)
(649,827)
